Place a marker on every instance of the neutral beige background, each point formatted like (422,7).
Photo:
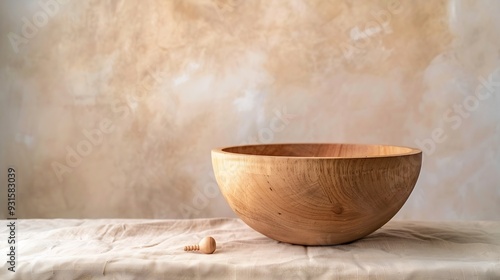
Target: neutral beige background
(110,108)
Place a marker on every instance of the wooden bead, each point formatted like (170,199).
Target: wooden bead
(207,246)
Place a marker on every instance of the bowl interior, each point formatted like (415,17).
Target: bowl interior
(321,150)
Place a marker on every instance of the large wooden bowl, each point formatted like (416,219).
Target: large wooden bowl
(316,194)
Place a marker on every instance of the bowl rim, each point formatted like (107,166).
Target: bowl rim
(413,151)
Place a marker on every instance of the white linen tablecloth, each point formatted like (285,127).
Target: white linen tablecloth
(153,249)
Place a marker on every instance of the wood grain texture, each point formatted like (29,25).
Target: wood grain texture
(316,194)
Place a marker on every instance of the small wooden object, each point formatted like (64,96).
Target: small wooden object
(207,246)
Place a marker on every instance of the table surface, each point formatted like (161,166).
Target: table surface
(153,249)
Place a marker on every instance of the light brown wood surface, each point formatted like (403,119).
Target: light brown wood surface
(316,194)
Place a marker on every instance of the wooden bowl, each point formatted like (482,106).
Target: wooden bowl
(316,194)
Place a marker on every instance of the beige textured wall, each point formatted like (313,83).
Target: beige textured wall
(110,108)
